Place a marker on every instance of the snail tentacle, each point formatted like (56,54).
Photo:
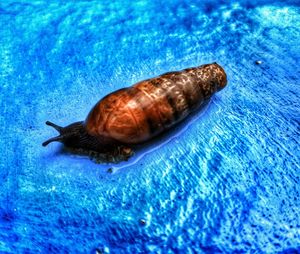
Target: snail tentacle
(58,138)
(56,127)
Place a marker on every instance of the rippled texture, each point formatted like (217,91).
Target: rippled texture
(226,180)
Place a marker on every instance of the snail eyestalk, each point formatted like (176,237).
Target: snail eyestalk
(58,138)
(56,127)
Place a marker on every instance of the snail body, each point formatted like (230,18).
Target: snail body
(136,114)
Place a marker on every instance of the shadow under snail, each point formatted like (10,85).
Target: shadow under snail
(134,115)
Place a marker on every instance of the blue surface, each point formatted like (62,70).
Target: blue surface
(226,180)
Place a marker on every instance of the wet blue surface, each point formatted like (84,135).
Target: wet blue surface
(226,180)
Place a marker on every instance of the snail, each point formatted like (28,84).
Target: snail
(134,115)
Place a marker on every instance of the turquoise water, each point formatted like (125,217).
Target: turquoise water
(225,181)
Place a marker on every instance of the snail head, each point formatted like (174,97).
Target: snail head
(75,135)
(71,135)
